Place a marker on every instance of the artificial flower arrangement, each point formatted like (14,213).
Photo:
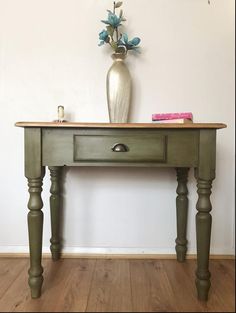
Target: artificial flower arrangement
(118,41)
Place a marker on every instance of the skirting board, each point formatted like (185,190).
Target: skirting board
(118,256)
(112,253)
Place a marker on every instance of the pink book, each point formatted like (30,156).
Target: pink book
(172,116)
(174,121)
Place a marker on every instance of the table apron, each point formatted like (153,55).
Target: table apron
(145,148)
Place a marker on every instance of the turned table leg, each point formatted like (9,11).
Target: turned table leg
(182,213)
(55,173)
(34,172)
(35,227)
(203,230)
(205,174)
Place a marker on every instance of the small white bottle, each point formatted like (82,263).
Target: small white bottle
(61,114)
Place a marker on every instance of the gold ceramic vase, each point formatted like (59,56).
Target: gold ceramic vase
(119,89)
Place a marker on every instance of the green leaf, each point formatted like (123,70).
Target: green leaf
(118,4)
(110,30)
(114,45)
(121,13)
(105,22)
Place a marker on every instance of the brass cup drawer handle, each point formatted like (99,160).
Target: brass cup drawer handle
(120,147)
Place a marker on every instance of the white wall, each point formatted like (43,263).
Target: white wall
(49,56)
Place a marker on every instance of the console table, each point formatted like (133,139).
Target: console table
(180,146)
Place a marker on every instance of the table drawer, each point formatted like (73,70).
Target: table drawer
(120,148)
(93,147)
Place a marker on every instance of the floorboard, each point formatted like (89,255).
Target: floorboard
(87,285)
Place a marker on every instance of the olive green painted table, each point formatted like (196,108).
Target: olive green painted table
(152,145)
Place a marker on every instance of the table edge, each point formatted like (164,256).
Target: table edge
(119,125)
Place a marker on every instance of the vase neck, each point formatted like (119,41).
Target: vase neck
(118,56)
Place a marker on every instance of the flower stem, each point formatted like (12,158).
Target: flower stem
(116,28)
(117,34)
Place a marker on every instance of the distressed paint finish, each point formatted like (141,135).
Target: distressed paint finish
(205,174)
(34,173)
(139,147)
(49,144)
(55,206)
(93,147)
(182,213)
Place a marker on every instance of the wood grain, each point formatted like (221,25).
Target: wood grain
(81,285)
(222,292)
(218,284)
(116,125)
(151,289)
(111,289)
(9,272)
(17,298)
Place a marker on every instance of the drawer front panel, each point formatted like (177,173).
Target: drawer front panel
(121,148)
(93,147)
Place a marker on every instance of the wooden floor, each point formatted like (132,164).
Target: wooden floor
(74,285)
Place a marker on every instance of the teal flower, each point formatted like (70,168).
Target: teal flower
(113,20)
(129,44)
(104,37)
(135,42)
(113,36)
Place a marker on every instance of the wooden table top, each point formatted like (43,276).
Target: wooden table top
(123,125)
